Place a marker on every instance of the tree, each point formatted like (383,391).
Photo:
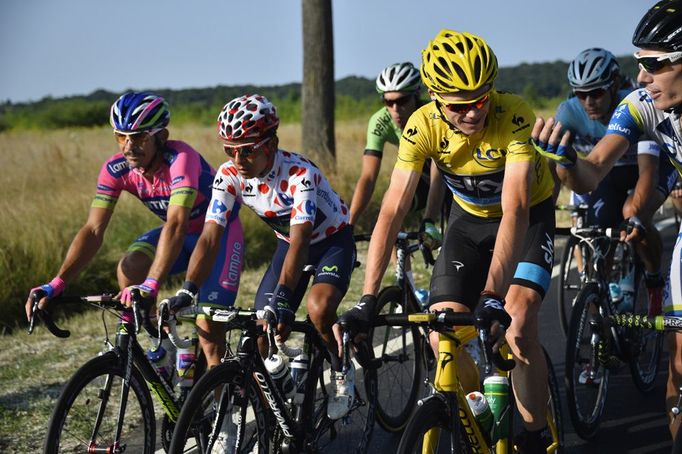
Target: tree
(317,97)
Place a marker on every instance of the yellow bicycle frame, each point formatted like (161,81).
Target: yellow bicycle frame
(447,380)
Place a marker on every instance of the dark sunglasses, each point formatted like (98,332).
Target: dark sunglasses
(655,63)
(463,108)
(397,102)
(594,94)
(245,151)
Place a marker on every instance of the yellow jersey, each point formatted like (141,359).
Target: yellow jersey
(473,166)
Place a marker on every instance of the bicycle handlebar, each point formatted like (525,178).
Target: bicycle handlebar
(105,300)
(656,323)
(443,321)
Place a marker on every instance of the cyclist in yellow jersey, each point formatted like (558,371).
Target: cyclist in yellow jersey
(497,252)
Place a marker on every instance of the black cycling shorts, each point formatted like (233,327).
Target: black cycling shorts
(461,269)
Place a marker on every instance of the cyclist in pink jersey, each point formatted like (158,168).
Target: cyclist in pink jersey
(173,181)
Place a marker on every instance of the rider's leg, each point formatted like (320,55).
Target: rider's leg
(468,371)
(529,377)
(323,300)
(672,394)
(132,268)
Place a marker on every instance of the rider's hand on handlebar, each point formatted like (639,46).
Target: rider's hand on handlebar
(551,142)
(490,315)
(430,235)
(632,229)
(51,290)
(183,298)
(280,310)
(357,320)
(148,289)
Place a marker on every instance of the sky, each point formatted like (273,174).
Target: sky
(74,47)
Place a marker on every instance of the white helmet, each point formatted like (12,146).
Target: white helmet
(592,68)
(398,77)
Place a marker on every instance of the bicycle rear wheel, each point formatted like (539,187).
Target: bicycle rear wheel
(353,432)
(223,392)
(398,351)
(586,378)
(433,418)
(87,411)
(643,346)
(555,421)
(569,281)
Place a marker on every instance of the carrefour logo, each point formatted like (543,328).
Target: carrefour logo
(218,207)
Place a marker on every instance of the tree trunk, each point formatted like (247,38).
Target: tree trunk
(317,94)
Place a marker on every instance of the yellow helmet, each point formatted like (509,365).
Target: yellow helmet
(457,61)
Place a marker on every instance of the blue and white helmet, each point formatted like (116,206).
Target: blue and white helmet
(592,68)
(139,111)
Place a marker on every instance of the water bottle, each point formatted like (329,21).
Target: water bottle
(299,371)
(481,410)
(615,293)
(185,363)
(422,297)
(627,285)
(280,374)
(162,359)
(496,390)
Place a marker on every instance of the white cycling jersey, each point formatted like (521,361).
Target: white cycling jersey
(634,116)
(294,192)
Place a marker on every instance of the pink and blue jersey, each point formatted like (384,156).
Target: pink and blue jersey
(293,192)
(184,178)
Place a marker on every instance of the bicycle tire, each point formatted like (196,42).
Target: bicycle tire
(586,401)
(197,416)
(569,283)
(643,346)
(353,432)
(398,351)
(72,422)
(432,413)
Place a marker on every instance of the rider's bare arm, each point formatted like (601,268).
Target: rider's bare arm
(434,200)
(513,226)
(394,207)
(364,188)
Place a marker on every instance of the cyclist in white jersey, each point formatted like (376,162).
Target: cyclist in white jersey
(290,194)
(655,111)
(594,76)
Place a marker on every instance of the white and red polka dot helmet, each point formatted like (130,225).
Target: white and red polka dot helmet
(247,117)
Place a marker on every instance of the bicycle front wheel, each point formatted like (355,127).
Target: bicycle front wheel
(554,418)
(569,281)
(87,412)
(224,407)
(398,351)
(586,378)
(643,346)
(430,430)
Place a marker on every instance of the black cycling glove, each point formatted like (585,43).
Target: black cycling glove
(359,318)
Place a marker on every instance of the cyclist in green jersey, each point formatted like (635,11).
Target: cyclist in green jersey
(399,86)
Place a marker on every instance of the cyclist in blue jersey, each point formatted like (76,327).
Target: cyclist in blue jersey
(173,181)
(654,111)
(637,185)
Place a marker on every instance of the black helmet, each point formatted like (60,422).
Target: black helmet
(661,27)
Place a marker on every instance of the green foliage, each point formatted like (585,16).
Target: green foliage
(355,97)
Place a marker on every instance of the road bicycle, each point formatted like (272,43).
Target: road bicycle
(572,275)
(242,392)
(443,421)
(403,354)
(106,406)
(658,324)
(587,373)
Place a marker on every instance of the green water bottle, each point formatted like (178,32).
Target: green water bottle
(496,390)
(481,410)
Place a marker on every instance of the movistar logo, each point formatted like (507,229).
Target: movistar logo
(330,269)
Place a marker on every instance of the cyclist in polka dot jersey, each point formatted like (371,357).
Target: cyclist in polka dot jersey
(294,198)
